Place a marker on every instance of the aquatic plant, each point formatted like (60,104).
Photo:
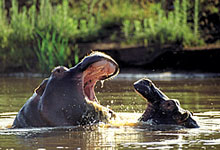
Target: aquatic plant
(42,30)
(164,27)
(52,50)
(76,54)
(41,36)
(5,30)
(196,18)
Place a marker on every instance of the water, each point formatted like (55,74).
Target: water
(200,95)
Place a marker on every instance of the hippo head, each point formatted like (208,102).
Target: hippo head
(67,97)
(161,109)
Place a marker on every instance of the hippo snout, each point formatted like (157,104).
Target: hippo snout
(149,91)
(143,87)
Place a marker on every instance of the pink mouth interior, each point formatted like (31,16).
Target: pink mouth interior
(96,72)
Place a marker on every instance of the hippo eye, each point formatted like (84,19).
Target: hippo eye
(58,70)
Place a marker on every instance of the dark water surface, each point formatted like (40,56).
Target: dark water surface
(201,96)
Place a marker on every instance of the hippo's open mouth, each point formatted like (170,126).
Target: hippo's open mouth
(100,70)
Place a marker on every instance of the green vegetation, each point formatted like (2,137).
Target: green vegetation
(39,36)
(164,27)
(51,50)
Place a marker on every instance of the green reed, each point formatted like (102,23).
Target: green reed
(38,40)
(52,50)
(5,30)
(196,17)
(164,27)
(41,36)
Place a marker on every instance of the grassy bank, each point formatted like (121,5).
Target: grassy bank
(44,35)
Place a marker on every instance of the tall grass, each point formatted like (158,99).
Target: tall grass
(5,30)
(162,27)
(52,50)
(21,23)
(41,39)
(43,36)
(196,18)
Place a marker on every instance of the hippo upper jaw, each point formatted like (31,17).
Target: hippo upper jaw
(149,91)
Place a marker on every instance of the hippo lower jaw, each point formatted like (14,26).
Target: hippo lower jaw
(98,71)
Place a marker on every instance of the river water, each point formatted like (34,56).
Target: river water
(199,95)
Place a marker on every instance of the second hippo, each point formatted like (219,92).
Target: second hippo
(161,109)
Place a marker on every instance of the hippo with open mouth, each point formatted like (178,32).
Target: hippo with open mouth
(67,97)
(161,109)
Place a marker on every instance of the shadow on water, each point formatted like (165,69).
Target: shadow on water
(198,95)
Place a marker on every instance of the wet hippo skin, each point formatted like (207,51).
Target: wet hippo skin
(161,109)
(67,97)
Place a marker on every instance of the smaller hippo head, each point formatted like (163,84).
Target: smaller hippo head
(161,109)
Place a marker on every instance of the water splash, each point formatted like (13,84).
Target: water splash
(123,119)
(6,119)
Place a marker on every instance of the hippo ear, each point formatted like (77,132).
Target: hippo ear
(40,89)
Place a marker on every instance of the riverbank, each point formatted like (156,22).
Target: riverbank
(153,60)
(161,58)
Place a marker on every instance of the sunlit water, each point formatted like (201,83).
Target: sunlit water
(200,95)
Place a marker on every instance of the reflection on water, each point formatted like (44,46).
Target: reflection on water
(198,95)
